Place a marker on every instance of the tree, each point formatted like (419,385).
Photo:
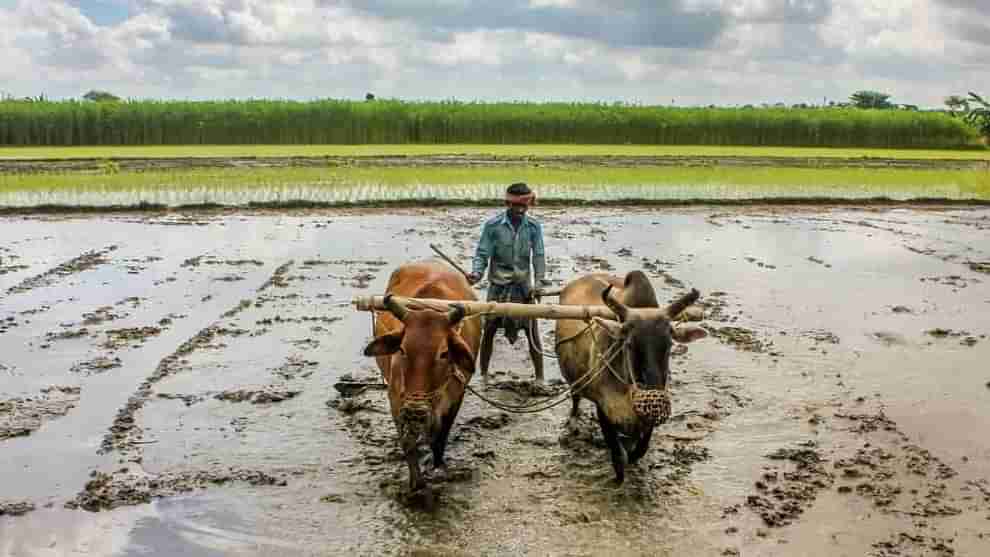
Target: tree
(954,102)
(369,97)
(980,115)
(871,99)
(101,96)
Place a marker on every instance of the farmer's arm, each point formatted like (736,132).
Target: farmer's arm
(483,253)
(539,257)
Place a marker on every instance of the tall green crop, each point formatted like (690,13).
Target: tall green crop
(329,121)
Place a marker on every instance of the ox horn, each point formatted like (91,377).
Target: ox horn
(616,306)
(455,314)
(400,311)
(680,304)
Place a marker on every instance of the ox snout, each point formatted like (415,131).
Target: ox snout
(652,405)
(415,418)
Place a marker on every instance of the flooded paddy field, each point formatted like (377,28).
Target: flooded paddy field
(566,183)
(167,386)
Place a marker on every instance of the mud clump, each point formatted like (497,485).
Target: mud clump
(188,400)
(4,269)
(95,366)
(125,488)
(784,492)
(131,336)
(656,268)
(905,543)
(738,337)
(979,266)
(527,388)
(814,259)
(348,405)
(264,395)
(940,332)
(278,278)
(592,263)
(100,315)
(348,386)
(821,336)
(15,508)
(84,262)
(295,366)
(492,421)
(362,280)
(868,423)
(22,416)
(64,335)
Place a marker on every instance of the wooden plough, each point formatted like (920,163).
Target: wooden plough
(505,309)
(501,309)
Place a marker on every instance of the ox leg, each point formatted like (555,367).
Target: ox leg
(535,348)
(573,420)
(615,447)
(641,446)
(487,345)
(409,445)
(439,444)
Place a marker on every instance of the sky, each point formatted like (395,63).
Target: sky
(681,52)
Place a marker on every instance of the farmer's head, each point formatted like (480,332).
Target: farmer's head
(518,198)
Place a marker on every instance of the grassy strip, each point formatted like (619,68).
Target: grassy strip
(331,121)
(357,184)
(193,151)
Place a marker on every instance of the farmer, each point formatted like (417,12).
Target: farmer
(510,242)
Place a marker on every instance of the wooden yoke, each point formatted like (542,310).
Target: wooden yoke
(538,311)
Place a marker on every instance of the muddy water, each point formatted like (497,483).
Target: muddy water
(838,408)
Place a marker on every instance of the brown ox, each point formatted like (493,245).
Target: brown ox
(631,392)
(426,358)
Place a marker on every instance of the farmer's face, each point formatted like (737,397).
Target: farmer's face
(517,209)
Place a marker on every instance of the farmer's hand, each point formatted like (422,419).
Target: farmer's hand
(474,278)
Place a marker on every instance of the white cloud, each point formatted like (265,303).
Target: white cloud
(693,51)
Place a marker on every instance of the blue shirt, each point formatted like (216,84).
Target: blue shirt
(507,251)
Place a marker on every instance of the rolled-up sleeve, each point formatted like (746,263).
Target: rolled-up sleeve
(484,252)
(539,258)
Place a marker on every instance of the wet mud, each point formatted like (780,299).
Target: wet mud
(23,415)
(838,406)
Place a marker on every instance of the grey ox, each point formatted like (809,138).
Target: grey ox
(632,355)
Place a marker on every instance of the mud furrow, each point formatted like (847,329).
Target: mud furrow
(84,262)
(124,435)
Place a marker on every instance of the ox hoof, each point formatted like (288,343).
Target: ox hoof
(441,473)
(573,425)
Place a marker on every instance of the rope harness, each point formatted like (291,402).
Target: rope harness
(651,405)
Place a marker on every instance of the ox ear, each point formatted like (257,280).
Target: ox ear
(460,353)
(688,333)
(385,345)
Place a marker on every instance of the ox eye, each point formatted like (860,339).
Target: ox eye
(444,355)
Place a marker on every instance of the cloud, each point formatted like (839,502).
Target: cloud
(966,20)
(649,23)
(652,51)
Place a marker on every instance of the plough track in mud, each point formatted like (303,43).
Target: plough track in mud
(88,260)
(124,435)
